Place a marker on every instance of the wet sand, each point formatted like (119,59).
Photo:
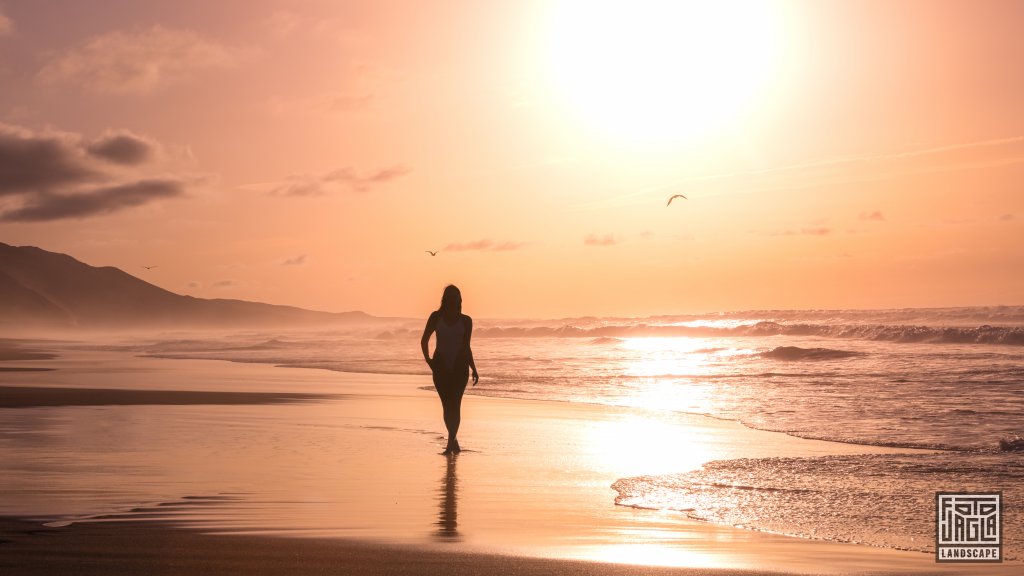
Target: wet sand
(27,397)
(348,479)
(150,548)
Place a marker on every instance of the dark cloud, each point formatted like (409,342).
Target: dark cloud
(876,215)
(40,162)
(53,175)
(343,178)
(595,240)
(121,148)
(296,261)
(225,284)
(45,207)
(484,244)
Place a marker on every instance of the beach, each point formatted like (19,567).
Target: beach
(114,462)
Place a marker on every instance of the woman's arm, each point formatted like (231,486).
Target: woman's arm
(469,350)
(425,340)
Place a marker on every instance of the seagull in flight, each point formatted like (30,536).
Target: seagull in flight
(149,267)
(674,197)
(431,252)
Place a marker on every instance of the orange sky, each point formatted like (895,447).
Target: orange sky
(835,154)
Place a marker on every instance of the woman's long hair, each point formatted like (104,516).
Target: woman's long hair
(451,297)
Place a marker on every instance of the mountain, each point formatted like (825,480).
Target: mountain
(47,288)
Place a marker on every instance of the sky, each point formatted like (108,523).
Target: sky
(847,154)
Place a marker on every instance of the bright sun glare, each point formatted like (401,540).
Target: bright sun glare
(653,72)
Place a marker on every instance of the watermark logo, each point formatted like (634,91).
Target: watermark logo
(968,527)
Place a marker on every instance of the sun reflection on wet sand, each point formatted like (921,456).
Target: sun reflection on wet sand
(646,444)
(649,554)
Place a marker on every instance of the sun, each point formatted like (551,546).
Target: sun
(653,72)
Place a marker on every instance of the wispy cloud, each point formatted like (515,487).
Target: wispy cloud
(344,179)
(286,24)
(485,244)
(597,240)
(864,168)
(6,24)
(1006,217)
(786,232)
(226,284)
(329,103)
(295,261)
(869,216)
(816,231)
(52,175)
(283,23)
(139,61)
(806,231)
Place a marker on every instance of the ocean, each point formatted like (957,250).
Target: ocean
(949,380)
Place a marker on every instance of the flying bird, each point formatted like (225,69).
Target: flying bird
(674,197)
(149,267)
(431,252)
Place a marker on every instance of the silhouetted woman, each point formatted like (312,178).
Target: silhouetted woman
(453,359)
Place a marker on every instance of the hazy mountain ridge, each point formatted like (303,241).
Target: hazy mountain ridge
(38,287)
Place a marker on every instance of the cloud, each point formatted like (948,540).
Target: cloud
(808,231)
(876,215)
(296,261)
(44,207)
(1006,217)
(484,244)
(595,240)
(121,148)
(137,62)
(774,232)
(51,175)
(865,167)
(6,25)
(282,23)
(816,231)
(329,103)
(225,284)
(345,179)
(31,162)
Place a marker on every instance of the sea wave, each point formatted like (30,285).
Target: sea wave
(1002,325)
(797,353)
(985,334)
(882,500)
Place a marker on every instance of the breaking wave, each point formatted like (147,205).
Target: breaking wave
(876,499)
(1006,335)
(796,353)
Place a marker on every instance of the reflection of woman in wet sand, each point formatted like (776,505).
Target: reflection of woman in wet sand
(448,515)
(453,359)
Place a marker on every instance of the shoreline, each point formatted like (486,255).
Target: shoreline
(516,499)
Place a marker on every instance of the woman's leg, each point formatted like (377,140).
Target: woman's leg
(450,388)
